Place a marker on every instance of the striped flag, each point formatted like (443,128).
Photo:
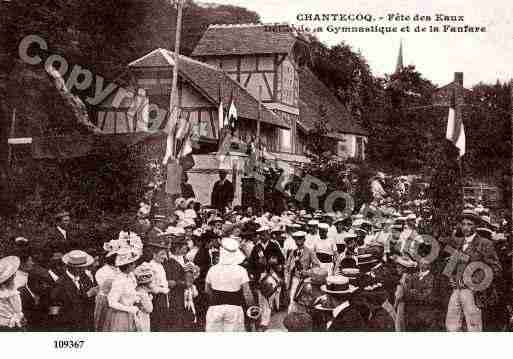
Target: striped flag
(232,115)
(455,129)
(220,114)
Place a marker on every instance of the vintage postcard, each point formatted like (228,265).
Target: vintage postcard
(243,166)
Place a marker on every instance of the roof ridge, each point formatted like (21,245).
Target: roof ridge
(189,59)
(148,55)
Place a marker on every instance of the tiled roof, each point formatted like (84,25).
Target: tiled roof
(243,39)
(313,95)
(208,79)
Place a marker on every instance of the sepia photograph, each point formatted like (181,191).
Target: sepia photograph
(243,166)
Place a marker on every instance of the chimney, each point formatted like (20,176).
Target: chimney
(458,78)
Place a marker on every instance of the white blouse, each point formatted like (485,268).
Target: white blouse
(104,277)
(123,294)
(159,278)
(10,308)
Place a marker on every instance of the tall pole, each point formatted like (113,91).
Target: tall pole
(173,176)
(11,135)
(174,84)
(258,120)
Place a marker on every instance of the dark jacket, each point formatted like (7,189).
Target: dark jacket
(256,266)
(479,250)
(348,320)
(222,194)
(73,306)
(174,271)
(187,191)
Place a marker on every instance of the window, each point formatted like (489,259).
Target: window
(360,148)
(341,148)
(285,141)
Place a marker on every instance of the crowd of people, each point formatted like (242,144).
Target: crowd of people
(230,268)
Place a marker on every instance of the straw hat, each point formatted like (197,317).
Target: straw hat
(230,253)
(338,284)
(77,258)
(471,215)
(8,267)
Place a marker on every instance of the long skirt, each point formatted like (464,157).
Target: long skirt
(119,321)
(100,310)
(159,317)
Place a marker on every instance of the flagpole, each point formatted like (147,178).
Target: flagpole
(176,52)
(12,133)
(258,120)
(173,100)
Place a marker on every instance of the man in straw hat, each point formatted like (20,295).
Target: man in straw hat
(68,299)
(467,299)
(343,315)
(227,287)
(297,267)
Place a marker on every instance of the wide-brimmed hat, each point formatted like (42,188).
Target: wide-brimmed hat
(61,214)
(77,258)
(277,229)
(470,215)
(263,229)
(313,222)
(299,235)
(144,273)
(405,262)
(8,267)
(338,284)
(485,232)
(230,252)
(126,256)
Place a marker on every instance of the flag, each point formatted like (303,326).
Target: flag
(455,129)
(170,129)
(220,114)
(399,66)
(232,115)
(185,153)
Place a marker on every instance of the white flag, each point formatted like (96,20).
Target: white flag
(170,130)
(455,130)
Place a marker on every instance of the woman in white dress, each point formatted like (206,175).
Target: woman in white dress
(160,288)
(11,313)
(123,298)
(104,277)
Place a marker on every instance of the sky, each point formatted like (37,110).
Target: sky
(482,57)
